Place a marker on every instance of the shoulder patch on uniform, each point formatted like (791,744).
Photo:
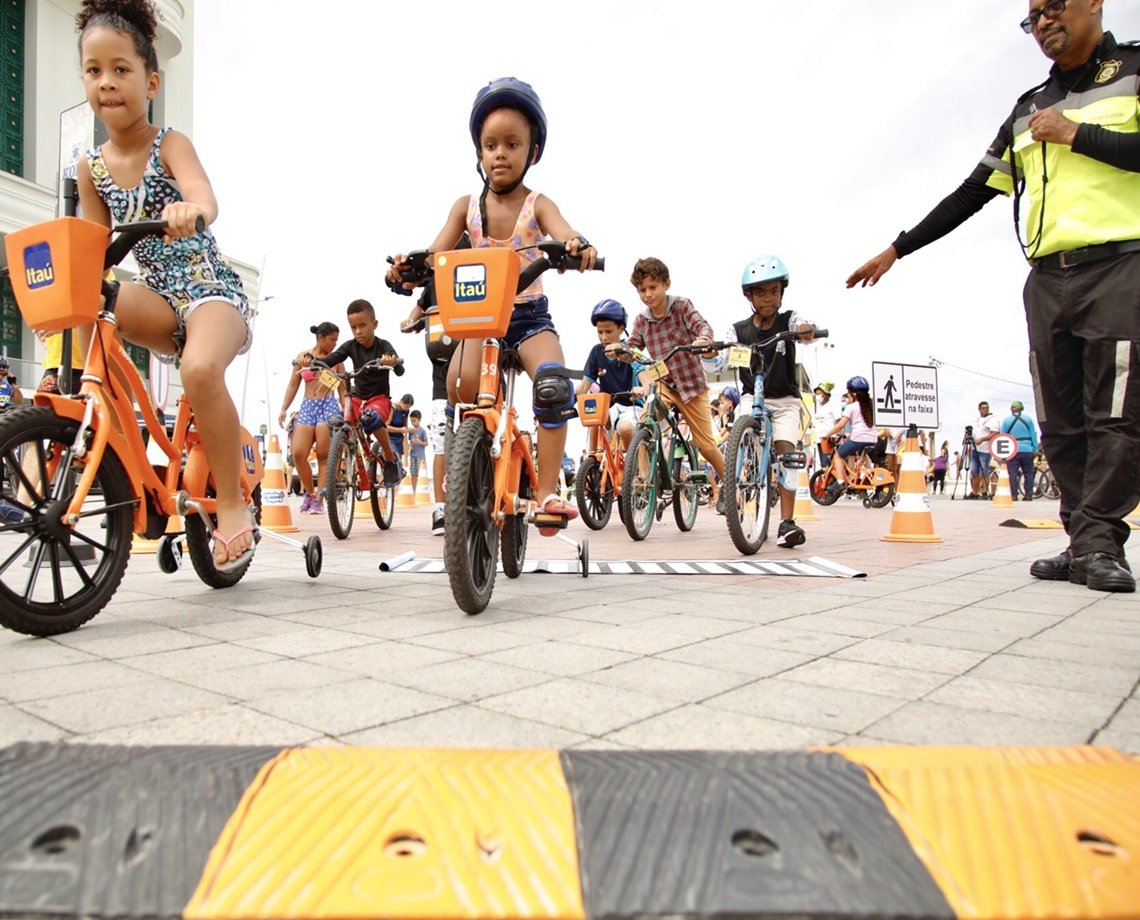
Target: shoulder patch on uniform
(1108,70)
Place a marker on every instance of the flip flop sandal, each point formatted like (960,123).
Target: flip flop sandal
(234,564)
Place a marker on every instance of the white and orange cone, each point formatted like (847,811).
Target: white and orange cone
(275,512)
(912,521)
(423,488)
(406,497)
(1002,497)
(804,510)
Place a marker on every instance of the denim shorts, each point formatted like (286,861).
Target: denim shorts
(529,319)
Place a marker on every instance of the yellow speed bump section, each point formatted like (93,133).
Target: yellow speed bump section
(1021,831)
(346,833)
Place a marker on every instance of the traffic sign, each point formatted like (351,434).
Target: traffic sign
(1003,447)
(904,395)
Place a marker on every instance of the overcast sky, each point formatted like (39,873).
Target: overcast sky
(703,134)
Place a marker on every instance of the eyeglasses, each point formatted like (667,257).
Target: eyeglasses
(1052,9)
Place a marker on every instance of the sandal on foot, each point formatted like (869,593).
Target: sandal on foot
(232,565)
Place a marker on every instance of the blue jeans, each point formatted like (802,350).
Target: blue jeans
(979,463)
(1021,463)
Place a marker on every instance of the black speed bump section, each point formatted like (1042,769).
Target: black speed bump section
(718,834)
(102,831)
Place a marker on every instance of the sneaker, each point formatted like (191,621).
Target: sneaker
(720,503)
(10,513)
(391,473)
(307,503)
(317,507)
(790,534)
(1102,572)
(437,517)
(836,488)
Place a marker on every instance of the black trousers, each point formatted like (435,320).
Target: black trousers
(1084,341)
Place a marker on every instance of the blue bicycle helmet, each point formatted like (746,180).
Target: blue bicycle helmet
(507,92)
(732,393)
(855,384)
(763,269)
(608,309)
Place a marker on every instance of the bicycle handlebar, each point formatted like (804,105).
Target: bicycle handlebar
(815,332)
(554,255)
(131,232)
(374,364)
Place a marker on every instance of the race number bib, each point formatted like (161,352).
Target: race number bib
(657,371)
(739,356)
(329,379)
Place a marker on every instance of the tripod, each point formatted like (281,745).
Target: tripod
(968,448)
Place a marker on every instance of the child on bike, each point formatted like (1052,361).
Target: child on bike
(186,300)
(668,321)
(372,402)
(604,374)
(508,127)
(764,281)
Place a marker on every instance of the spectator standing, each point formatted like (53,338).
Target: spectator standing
(417,444)
(10,394)
(398,427)
(1021,427)
(940,469)
(985,427)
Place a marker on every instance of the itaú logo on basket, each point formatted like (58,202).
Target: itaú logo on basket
(470,283)
(37,265)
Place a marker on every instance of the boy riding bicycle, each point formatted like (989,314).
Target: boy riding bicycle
(668,321)
(604,374)
(373,399)
(763,283)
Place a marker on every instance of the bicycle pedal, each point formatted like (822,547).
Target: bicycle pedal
(793,460)
(699,479)
(549,522)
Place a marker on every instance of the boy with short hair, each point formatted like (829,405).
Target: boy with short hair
(10,394)
(763,283)
(667,321)
(417,444)
(604,374)
(373,400)
(398,427)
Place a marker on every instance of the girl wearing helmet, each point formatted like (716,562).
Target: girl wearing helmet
(508,128)
(763,283)
(861,414)
(602,373)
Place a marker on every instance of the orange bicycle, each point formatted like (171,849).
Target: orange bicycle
(491,476)
(76,480)
(597,485)
(875,483)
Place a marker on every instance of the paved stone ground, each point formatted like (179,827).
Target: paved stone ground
(950,643)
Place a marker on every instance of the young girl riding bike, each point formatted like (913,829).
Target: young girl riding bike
(508,128)
(186,301)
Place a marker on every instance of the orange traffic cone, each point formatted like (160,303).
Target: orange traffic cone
(406,497)
(912,521)
(804,510)
(423,489)
(1002,497)
(275,512)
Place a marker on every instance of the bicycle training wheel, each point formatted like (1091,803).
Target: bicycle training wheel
(817,486)
(686,493)
(747,485)
(341,485)
(471,539)
(55,578)
(594,502)
(639,484)
(382,498)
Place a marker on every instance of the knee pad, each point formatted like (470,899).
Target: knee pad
(554,402)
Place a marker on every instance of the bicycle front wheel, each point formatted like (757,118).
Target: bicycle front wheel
(341,486)
(54,578)
(818,488)
(685,491)
(594,502)
(382,498)
(639,484)
(747,485)
(471,539)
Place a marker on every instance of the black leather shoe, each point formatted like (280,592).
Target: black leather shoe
(1055,568)
(1102,572)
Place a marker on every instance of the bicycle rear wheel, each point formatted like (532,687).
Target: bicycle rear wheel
(55,578)
(594,502)
(747,484)
(199,531)
(471,539)
(639,484)
(382,498)
(341,474)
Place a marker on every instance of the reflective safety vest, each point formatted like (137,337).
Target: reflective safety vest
(1073,200)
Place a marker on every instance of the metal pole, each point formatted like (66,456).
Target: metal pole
(70,208)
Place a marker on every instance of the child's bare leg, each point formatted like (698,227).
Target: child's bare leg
(215,332)
(539,349)
(302,443)
(323,441)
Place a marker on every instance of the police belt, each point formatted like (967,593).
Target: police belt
(1071,258)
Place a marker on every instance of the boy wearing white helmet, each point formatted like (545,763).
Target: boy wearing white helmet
(764,281)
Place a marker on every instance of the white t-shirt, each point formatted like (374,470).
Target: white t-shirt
(983,425)
(825,417)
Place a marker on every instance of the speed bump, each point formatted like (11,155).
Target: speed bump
(216,833)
